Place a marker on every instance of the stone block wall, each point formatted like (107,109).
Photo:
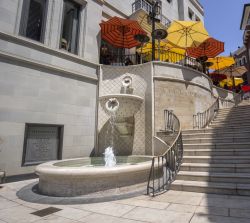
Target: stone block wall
(181,89)
(111,83)
(30,94)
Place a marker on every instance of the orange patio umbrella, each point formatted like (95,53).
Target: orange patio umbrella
(209,48)
(120,32)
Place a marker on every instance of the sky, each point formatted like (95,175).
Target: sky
(222,21)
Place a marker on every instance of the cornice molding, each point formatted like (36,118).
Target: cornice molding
(43,48)
(53,68)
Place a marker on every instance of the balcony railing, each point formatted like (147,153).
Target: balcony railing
(165,56)
(141,4)
(147,7)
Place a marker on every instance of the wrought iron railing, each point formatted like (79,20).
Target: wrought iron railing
(141,4)
(203,119)
(165,166)
(147,7)
(226,103)
(164,55)
(238,97)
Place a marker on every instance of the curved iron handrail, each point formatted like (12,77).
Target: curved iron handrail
(203,119)
(238,97)
(165,167)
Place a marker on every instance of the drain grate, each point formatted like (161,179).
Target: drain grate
(46,211)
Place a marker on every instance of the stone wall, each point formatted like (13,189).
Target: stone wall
(31,95)
(110,83)
(222,93)
(39,83)
(181,89)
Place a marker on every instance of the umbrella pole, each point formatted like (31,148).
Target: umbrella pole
(233,83)
(141,54)
(159,49)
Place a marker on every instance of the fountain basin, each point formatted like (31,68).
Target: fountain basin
(128,104)
(74,177)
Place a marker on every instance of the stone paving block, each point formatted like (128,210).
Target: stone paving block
(144,203)
(99,218)
(8,193)
(228,203)
(178,199)
(191,194)
(241,213)
(72,213)
(36,206)
(108,208)
(18,214)
(4,203)
(197,218)
(143,197)
(212,211)
(55,219)
(182,208)
(159,216)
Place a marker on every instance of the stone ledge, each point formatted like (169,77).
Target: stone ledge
(45,66)
(43,48)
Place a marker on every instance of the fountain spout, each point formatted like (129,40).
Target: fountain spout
(127,84)
(109,157)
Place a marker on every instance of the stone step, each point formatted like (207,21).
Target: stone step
(229,120)
(216,130)
(229,125)
(211,187)
(217,139)
(216,167)
(215,135)
(217,152)
(217,159)
(232,114)
(243,178)
(232,117)
(236,108)
(243,145)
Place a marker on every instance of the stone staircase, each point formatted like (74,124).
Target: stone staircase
(217,159)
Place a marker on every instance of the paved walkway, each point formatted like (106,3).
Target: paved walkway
(172,206)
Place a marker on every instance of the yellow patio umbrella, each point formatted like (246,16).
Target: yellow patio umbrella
(187,33)
(166,52)
(221,62)
(230,83)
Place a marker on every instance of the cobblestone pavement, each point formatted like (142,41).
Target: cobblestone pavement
(172,206)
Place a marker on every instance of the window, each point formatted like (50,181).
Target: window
(190,14)
(244,60)
(33,19)
(197,18)
(70,26)
(42,143)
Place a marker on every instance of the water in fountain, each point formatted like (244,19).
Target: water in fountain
(109,157)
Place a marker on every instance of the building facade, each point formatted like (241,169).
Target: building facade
(240,56)
(49,59)
(245,25)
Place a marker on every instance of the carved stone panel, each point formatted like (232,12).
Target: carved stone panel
(42,143)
